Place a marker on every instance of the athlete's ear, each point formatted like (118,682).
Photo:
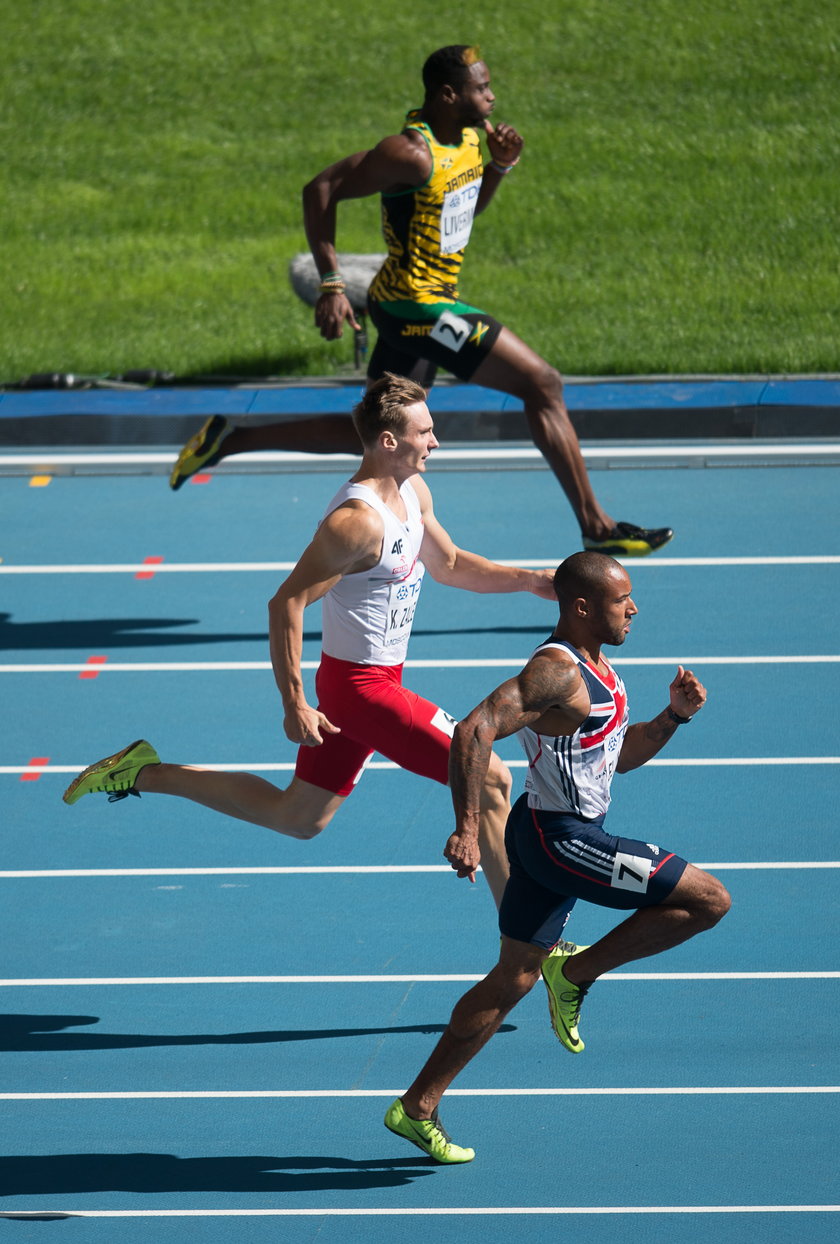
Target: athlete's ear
(580,607)
(387,439)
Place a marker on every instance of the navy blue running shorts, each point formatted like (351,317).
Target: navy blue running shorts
(556,859)
(458,340)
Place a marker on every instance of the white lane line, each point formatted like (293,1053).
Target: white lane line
(422,1211)
(510,452)
(390,1094)
(347,869)
(240,667)
(816,559)
(397,979)
(389,765)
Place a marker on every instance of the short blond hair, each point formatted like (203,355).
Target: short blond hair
(382,409)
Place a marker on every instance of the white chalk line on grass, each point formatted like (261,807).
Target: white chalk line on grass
(423,1211)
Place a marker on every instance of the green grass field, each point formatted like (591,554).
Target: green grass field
(675,211)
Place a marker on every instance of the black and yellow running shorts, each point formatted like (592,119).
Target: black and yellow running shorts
(454,336)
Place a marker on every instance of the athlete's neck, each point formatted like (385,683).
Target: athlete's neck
(385,485)
(446,129)
(588,647)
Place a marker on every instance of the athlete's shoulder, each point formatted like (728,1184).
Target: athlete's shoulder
(354,524)
(550,680)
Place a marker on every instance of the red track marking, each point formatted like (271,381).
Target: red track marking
(36,764)
(95,663)
(148,574)
(201,479)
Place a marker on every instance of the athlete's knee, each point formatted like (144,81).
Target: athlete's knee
(546,383)
(303,811)
(518,969)
(709,900)
(303,831)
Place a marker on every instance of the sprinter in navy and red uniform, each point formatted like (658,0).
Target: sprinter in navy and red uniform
(569,708)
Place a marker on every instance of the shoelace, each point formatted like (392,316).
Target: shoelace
(439,1128)
(121,794)
(576,995)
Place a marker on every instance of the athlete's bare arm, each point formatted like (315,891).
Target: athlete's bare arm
(456,567)
(549,695)
(505,147)
(348,541)
(644,739)
(398,162)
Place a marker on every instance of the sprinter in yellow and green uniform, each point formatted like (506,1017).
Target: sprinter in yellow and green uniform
(433,180)
(414,296)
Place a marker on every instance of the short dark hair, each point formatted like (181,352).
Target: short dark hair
(583,575)
(449,66)
(382,409)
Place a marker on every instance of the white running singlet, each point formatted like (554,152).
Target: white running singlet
(367,616)
(573,773)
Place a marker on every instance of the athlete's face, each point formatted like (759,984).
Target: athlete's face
(475,98)
(612,611)
(417,439)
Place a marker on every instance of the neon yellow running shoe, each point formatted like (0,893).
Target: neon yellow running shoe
(115,775)
(564,998)
(627,540)
(201,450)
(427,1134)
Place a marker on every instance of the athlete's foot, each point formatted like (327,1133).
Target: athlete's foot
(427,1134)
(565,998)
(116,776)
(201,450)
(628,540)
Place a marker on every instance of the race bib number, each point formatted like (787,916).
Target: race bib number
(456,217)
(451,331)
(402,602)
(631,872)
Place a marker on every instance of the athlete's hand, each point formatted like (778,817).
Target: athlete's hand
(331,310)
(543,584)
(462,852)
(307,727)
(503,142)
(688,695)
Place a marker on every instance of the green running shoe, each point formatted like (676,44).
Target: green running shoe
(627,540)
(201,450)
(564,998)
(115,775)
(427,1134)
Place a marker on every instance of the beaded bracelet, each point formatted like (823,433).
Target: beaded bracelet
(332,283)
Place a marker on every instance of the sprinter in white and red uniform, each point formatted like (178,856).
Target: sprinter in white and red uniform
(569,707)
(366,564)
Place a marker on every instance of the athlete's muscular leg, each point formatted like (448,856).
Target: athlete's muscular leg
(324,434)
(474,1020)
(495,806)
(696,903)
(300,811)
(327,434)
(512,367)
